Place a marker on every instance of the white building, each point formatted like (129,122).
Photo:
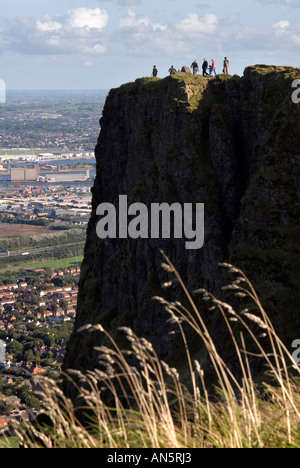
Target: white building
(2,353)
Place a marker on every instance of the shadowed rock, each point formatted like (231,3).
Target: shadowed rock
(231,143)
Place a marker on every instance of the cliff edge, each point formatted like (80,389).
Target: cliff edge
(231,143)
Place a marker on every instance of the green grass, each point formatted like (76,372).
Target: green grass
(59,263)
(19,152)
(9,442)
(53,264)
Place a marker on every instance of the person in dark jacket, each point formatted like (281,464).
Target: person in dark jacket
(195,67)
(172,70)
(205,67)
(155,71)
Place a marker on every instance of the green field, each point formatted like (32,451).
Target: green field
(59,263)
(53,264)
(19,152)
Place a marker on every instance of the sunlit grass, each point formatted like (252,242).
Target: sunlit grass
(134,399)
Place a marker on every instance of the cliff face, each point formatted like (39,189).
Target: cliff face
(231,143)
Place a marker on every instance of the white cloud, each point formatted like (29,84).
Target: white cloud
(289,3)
(78,31)
(192,25)
(96,49)
(89,19)
(281,28)
(279,39)
(48,25)
(281,25)
(138,33)
(53,41)
(84,31)
(132,20)
(296,40)
(160,27)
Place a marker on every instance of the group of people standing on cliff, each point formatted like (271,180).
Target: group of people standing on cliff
(195,68)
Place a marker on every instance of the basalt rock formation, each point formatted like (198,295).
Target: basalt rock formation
(231,143)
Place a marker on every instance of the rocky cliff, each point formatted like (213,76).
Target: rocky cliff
(231,143)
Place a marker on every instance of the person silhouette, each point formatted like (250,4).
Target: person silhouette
(204,67)
(172,70)
(195,67)
(212,68)
(226,66)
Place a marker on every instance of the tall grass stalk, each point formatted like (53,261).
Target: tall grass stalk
(149,406)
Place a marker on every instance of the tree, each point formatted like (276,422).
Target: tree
(37,358)
(5,409)
(31,326)
(7,308)
(31,400)
(29,356)
(15,348)
(64,304)
(41,310)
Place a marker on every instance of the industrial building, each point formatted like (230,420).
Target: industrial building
(24,174)
(68,176)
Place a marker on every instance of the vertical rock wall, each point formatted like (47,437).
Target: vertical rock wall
(231,143)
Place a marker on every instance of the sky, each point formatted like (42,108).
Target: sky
(100,44)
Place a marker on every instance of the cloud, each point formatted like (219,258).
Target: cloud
(88,33)
(281,28)
(88,63)
(192,25)
(279,38)
(3,23)
(86,18)
(230,20)
(281,25)
(296,40)
(48,25)
(139,33)
(78,31)
(133,21)
(96,49)
(289,3)
(133,25)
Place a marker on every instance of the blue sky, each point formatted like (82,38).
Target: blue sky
(99,44)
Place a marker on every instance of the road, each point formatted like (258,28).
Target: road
(37,250)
